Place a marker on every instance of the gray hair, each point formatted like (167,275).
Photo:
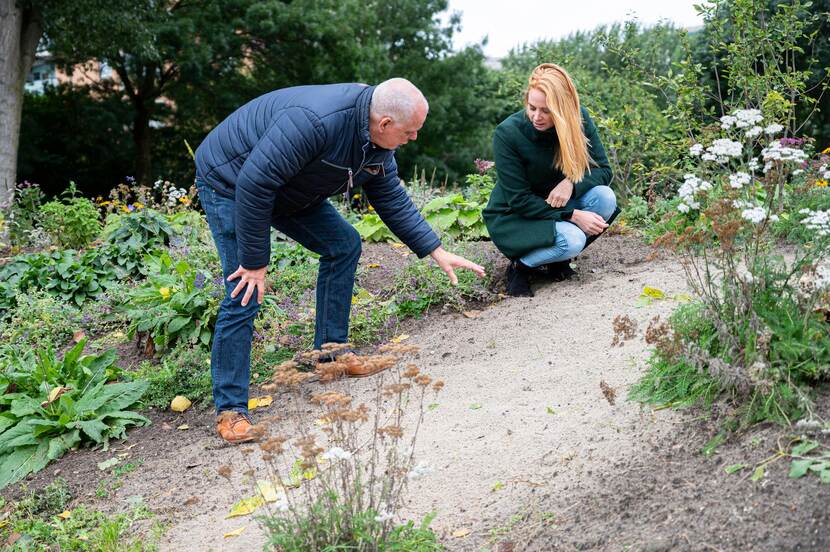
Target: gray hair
(396,98)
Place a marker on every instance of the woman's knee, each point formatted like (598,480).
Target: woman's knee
(570,239)
(606,201)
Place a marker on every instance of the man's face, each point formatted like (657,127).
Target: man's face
(391,134)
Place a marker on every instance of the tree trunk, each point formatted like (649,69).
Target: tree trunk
(20,31)
(143,143)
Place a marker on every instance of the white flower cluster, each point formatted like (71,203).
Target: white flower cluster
(822,276)
(817,220)
(691,186)
(722,149)
(741,118)
(825,172)
(752,212)
(696,150)
(753,132)
(336,453)
(174,195)
(420,471)
(739,180)
(773,129)
(753,165)
(776,152)
(384,516)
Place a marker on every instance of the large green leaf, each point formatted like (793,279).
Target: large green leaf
(468,218)
(22,462)
(116,396)
(59,445)
(20,434)
(25,406)
(93,429)
(178,323)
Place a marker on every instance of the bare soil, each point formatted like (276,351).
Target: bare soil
(534,444)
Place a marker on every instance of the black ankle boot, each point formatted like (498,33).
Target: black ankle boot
(559,271)
(518,280)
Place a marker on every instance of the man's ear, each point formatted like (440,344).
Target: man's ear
(384,123)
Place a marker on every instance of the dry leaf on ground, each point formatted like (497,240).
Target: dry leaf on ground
(461,533)
(234,533)
(472,313)
(609,392)
(259,402)
(245,506)
(399,338)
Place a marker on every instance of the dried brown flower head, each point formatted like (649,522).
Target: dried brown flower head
(624,329)
(225,471)
(392,431)
(411,371)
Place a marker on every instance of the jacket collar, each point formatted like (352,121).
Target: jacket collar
(362,110)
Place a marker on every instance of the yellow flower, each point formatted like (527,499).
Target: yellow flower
(138,205)
(185,200)
(103,203)
(124,209)
(164,292)
(821,183)
(826,151)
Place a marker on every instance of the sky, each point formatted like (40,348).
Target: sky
(511,23)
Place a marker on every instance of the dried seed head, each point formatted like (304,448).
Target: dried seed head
(438,385)
(392,431)
(411,371)
(423,380)
(225,471)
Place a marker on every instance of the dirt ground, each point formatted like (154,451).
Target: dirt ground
(533,442)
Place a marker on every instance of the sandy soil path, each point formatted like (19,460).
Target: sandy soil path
(522,413)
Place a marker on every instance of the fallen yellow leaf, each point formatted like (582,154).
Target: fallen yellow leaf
(399,338)
(398,245)
(258,402)
(653,292)
(183,427)
(373,265)
(461,533)
(245,506)
(180,404)
(268,491)
(234,533)
(3,523)
(65,514)
(472,313)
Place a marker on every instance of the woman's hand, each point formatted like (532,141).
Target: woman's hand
(590,223)
(253,279)
(560,194)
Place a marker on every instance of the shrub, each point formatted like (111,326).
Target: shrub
(39,321)
(72,222)
(50,406)
(21,217)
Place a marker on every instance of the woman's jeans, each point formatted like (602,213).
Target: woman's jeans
(570,239)
(319,228)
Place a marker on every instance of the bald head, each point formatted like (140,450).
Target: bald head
(396,113)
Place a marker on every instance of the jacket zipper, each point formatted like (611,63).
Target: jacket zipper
(350,181)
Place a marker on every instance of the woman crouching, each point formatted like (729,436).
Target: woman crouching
(551,197)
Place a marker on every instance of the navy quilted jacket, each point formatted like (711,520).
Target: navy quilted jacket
(292,148)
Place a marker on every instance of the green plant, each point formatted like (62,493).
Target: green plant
(50,406)
(42,522)
(133,235)
(185,370)
(67,275)
(177,302)
(38,321)
(21,217)
(810,457)
(73,222)
(372,229)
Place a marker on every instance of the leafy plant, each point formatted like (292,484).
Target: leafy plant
(177,302)
(72,222)
(372,229)
(39,320)
(133,235)
(809,457)
(185,370)
(67,275)
(21,217)
(50,406)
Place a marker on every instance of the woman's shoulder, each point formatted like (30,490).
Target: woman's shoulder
(512,125)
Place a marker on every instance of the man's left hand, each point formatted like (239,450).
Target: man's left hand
(448,261)
(560,194)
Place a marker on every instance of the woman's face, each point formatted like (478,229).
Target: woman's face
(537,110)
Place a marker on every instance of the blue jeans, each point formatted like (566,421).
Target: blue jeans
(570,239)
(319,228)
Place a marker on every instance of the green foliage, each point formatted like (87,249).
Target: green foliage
(35,520)
(185,370)
(72,222)
(50,406)
(372,229)
(39,321)
(810,457)
(177,302)
(67,275)
(133,235)
(329,524)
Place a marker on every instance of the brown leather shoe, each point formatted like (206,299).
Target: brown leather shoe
(235,427)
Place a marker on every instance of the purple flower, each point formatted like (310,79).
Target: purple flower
(199,281)
(131,208)
(791,142)
(130,179)
(482,165)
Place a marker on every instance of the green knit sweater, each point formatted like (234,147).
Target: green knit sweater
(517,217)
